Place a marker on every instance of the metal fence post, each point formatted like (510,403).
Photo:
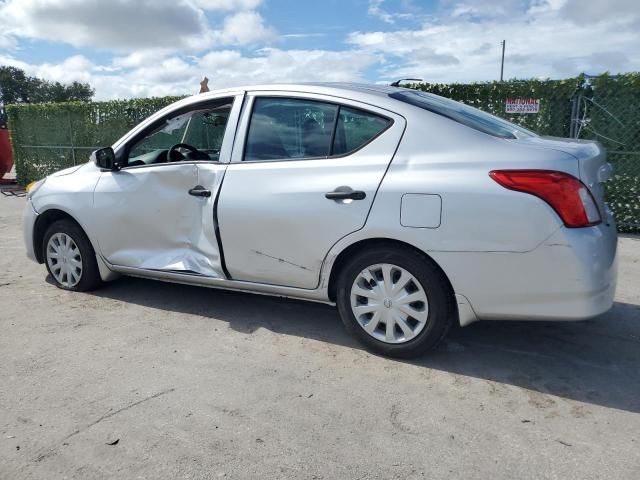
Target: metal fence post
(576,121)
(73,150)
(572,121)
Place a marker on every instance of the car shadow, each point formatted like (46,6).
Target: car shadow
(595,361)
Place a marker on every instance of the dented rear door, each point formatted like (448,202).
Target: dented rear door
(279,217)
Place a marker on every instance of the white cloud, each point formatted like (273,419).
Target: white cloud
(150,74)
(542,41)
(75,68)
(120,25)
(484,8)
(375,10)
(225,68)
(243,28)
(585,13)
(228,4)
(132,25)
(166,52)
(14,62)
(139,58)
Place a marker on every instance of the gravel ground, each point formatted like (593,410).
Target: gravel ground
(145,380)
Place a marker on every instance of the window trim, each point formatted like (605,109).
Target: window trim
(334,128)
(350,152)
(123,152)
(339,105)
(181,162)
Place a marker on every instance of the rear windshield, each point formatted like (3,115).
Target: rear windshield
(469,116)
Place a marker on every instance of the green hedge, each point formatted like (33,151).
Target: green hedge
(48,137)
(609,108)
(613,112)
(554,95)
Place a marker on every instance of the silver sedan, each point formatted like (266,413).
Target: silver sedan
(408,211)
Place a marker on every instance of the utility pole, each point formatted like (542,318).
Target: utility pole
(504,42)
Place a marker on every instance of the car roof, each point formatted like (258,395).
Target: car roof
(370,88)
(374,94)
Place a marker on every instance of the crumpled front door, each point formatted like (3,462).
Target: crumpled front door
(146,218)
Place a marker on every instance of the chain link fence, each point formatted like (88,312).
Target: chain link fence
(604,108)
(607,109)
(49,137)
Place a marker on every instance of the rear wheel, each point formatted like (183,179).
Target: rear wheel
(396,302)
(69,257)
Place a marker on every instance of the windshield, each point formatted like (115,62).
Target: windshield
(461,113)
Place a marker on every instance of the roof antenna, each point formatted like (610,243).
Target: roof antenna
(397,82)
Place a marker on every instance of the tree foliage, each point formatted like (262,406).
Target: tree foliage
(17,87)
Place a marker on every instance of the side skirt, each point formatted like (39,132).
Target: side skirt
(195,279)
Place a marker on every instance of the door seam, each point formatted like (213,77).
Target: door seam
(322,273)
(216,227)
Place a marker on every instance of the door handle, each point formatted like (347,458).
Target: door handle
(200,191)
(342,193)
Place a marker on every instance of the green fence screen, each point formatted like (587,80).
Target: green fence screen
(48,137)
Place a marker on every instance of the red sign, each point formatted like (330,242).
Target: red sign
(522,105)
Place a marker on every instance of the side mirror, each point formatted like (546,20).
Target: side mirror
(105,158)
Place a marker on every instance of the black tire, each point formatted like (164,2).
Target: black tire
(90,276)
(441,301)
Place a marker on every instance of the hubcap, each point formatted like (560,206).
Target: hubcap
(64,259)
(389,303)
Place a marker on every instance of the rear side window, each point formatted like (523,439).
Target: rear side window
(469,116)
(296,129)
(283,128)
(355,129)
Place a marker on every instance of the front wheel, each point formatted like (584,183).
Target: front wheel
(396,302)
(70,258)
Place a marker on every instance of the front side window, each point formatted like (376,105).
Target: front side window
(295,129)
(188,135)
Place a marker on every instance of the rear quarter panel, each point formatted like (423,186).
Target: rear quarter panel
(438,156)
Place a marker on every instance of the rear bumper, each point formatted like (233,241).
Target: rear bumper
(29,216)
(570,276)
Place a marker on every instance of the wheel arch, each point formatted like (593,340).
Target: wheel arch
(43,221)
(342,258)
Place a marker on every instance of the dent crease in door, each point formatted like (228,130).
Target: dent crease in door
(197,252)
(204,256)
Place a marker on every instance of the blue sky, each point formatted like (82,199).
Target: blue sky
(134,48)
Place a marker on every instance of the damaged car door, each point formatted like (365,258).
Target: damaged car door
(157,211)
(304,173)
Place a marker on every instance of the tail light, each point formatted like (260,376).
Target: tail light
(567,195)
